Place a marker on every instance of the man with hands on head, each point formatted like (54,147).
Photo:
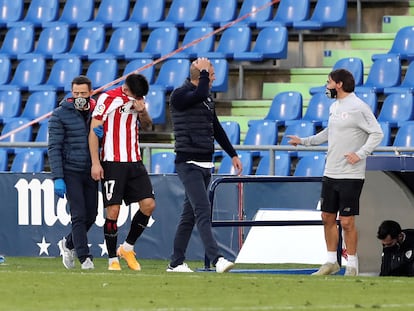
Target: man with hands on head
(352,134)
(121,112)
(70,164)
(196,126)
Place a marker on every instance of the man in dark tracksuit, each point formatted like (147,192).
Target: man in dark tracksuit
(70,164)
(195,127)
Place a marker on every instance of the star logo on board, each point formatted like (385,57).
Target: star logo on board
(104,250)
(43,247)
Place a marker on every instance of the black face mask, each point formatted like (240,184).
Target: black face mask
(81,103)
(331,93)
(392,249)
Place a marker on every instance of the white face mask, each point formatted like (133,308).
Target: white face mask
(81,103)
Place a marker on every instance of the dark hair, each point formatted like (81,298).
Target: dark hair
(344,76)
(389,227)
(137,84)
(82,80)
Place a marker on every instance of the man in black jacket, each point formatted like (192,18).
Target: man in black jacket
(195,127)
(398,249)
(70,164)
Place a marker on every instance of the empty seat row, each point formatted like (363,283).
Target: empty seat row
(125,43)
(181,13)
(25,161)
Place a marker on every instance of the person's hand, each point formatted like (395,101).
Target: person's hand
(237,164)
(99,131)
(294,140)
(202,63)
(97,172)
(352,158)
(60,187)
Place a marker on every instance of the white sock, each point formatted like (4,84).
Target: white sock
(128,247)
(332,257)
(111,260)
(352,261)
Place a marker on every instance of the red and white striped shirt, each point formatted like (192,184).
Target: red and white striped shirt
(120,142)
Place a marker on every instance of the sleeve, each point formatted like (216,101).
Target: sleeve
(317,139)
(185,97)
(369,124)
(55,145)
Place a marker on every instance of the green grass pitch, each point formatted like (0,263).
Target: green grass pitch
(44,284)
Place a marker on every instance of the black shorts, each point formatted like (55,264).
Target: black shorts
(128,181)
(341,195)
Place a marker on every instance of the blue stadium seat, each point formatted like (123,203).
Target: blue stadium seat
(271,43)
(22,135)
(232,129)
(249,6)
(5,69)
(402,46)
(10,104)
(53,39)
(109,12)
(38,104)
(215,13)
(156,102)
(42,135)
(18,40)
(384,72)
(180,11)
(261,132)
(407,84)
(226,165)
(301,129)
(88,40)
(144,12)
(76,11)
(102,71)
(192,34)
(135,64)
(370,98)
(173,73)
(397,108)
(232,40)
(39,12)
(28,161)
(405,136)
(10,11)
(61,75)
(286,106)
(310,166)
(354,65)
(124,40)
(221,69)
(288,12)
(326,14)
(282,164)
(386,130)
(160,42)
(4,160)
(29,72)
(318,109)
(163,163)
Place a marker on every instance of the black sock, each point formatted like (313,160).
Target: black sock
(138,225)
(111,235)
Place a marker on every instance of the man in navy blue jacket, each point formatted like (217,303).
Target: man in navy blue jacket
(70,164)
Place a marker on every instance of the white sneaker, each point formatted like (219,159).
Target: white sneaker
(327,269)
(223,265)
(68,255)
(351,271)
(180,268)
(87,264)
